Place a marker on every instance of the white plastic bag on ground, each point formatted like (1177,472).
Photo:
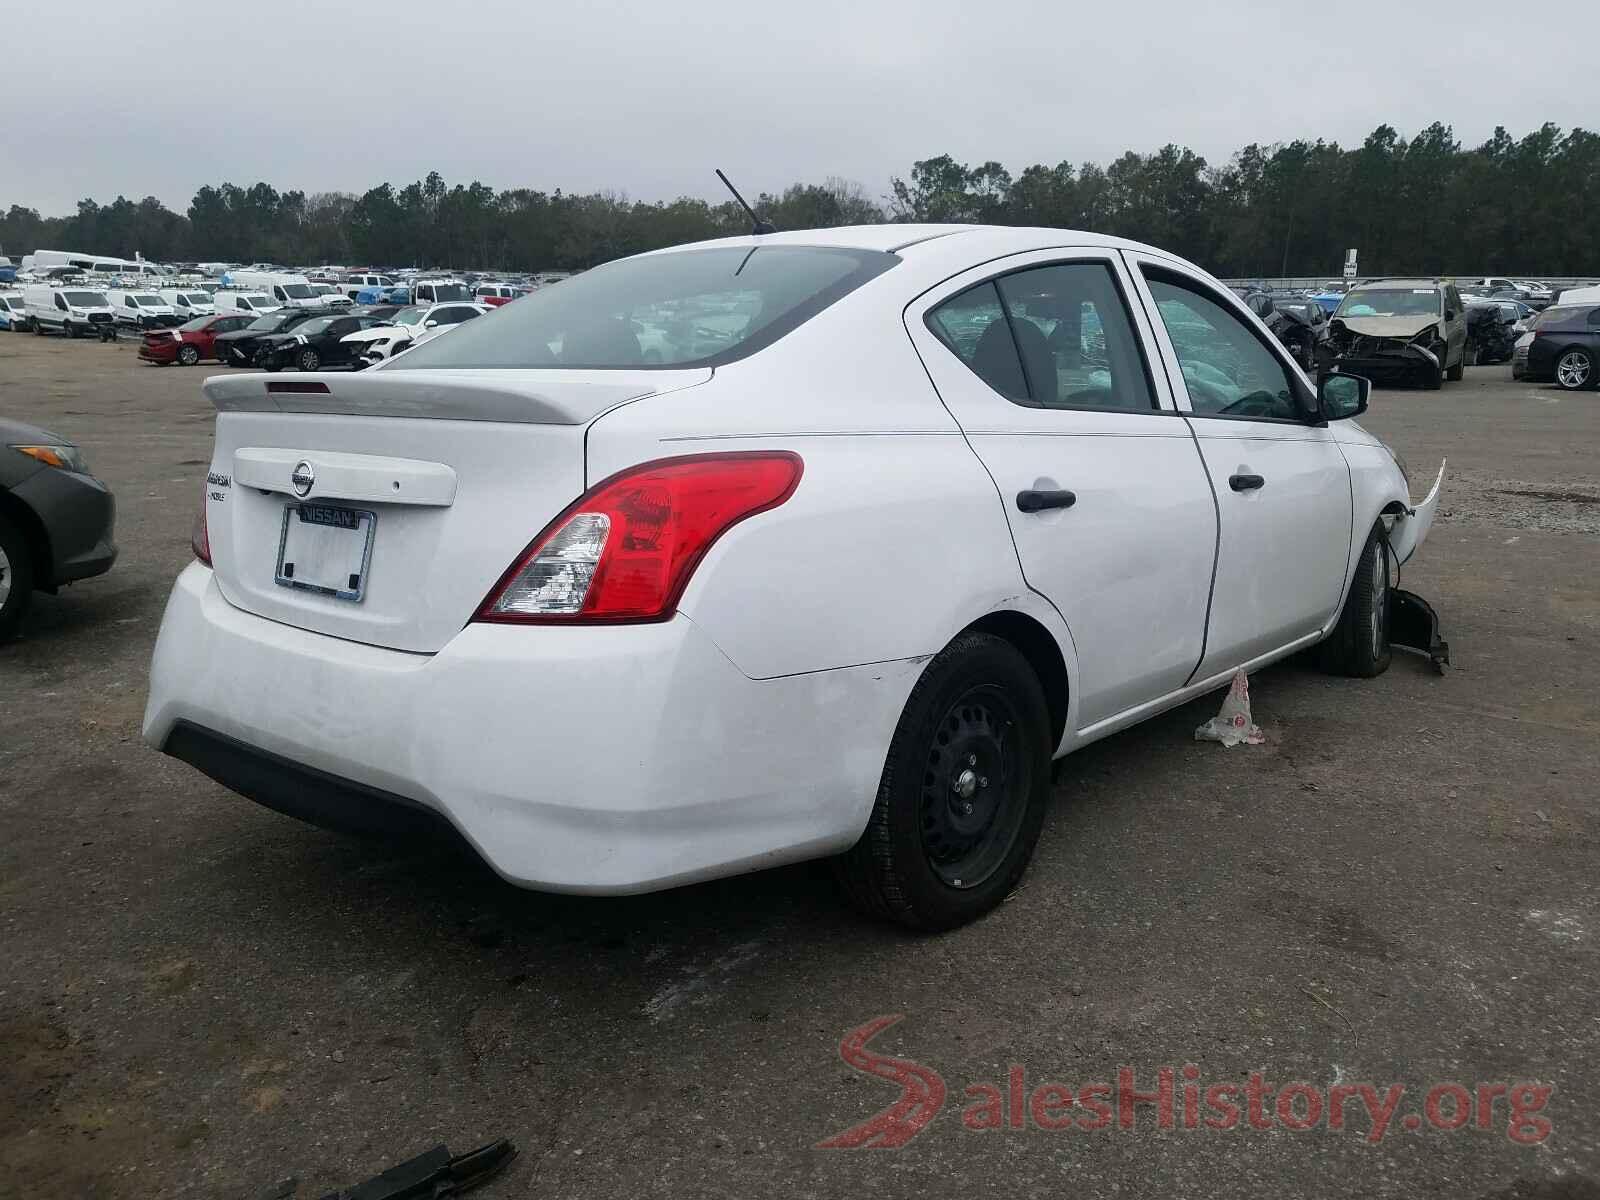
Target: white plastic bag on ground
(1232,724)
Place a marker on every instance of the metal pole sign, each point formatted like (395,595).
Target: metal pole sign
(1350,263)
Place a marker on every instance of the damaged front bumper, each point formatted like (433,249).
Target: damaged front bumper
(1409,529)
(1383,357)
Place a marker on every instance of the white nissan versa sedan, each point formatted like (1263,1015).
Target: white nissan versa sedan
(886,519)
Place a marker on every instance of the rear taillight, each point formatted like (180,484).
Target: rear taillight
(624,551)
(200,535)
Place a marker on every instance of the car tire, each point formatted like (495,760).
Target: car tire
(70,329)
(1359,644)
(1575,370)
(38,328)
(189,355)
(308,359)
(16,579)
(963,793)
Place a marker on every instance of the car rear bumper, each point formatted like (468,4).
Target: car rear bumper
(604,759)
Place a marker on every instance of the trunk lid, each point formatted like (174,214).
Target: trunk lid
(457,471)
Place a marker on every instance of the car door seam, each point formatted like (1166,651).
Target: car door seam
(1005,516)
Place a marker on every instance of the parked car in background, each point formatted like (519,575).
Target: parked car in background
(355,284)
(238,348)
(56,519)
(13,312)
(1491,331)
(1539,295)
(412,326)
(495,294)
(1580,295)
(255,303)
(287,289)
(314,344)
(332,296)
(142,310)
(478,590)
(438,291)
(1414,329)
(1563,348)
(189,302)
(191,342)
(1302,329)
(1328,301)
(74,311)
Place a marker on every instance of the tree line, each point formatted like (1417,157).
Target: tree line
(1425,204)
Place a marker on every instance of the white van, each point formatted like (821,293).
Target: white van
(99,264)
(290,291)
(243,302)
(440,291)
(189,302)
(354,284)
(142,310)
(73,311)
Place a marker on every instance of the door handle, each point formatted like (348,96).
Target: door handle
(1031,501)
(1245,483)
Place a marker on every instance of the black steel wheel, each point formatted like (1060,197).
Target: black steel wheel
(963,793)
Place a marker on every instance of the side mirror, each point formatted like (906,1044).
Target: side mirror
(1450,314)
(1340,396)
(430,324)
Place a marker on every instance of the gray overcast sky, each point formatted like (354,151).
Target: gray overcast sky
(159,97)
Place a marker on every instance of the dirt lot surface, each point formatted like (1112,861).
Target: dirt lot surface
(199,997)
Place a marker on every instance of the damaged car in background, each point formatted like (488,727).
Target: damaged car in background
(1492,330)
(1411,330)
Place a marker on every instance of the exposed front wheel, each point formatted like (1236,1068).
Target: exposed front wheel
(308,359)
(1575,370)
(1359,644)
(963,793)
(188,355)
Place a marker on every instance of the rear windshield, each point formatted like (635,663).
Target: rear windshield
(685,308)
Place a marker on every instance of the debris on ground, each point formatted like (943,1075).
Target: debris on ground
(433,1174)
(1232,724)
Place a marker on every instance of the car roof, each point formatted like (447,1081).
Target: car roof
(1411,283)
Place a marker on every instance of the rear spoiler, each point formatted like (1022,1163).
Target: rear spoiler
(532,397)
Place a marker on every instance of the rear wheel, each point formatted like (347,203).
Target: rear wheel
(16,579)
(1575,370)
(1359,644)
(188,355)
(963,793)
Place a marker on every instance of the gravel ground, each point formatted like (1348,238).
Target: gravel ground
(201,998)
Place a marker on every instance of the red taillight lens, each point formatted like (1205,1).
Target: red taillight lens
(200,535)
(624,551)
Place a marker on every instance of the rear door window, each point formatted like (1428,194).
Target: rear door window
(973,324)
(1055,336)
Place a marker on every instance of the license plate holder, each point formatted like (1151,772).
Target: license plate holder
(326,549)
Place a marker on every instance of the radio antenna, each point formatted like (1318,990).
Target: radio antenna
(759,226)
